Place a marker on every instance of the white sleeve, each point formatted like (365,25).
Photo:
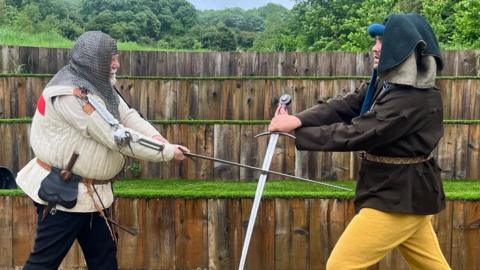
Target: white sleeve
(94,126)
(130,118)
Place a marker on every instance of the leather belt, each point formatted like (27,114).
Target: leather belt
(84,180)
(393,160)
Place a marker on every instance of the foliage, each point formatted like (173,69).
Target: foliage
(311,25)
(220,38)
(135,169)
(275,37)
(441,16)
(131,20)
(467,22)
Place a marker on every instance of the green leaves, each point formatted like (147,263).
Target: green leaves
(311,25)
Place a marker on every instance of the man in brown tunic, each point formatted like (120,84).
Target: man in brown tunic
(396,122)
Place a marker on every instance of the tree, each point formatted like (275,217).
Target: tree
(440,15)
(28,18)
(467,23)
(7,14)
(219,38)
(276,36)
(370,11)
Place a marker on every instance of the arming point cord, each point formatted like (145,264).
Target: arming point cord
(113,222)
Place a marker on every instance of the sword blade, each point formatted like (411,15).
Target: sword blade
(189,154)
(258,196)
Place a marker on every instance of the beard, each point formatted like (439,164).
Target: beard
(113,78)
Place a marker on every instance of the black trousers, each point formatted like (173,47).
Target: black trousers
(55,236)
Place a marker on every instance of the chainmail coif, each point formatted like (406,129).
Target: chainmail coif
(89,68)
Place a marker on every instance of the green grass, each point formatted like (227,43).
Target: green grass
(227,189)
(54,40)
(203,189)
(48,40)
(462,189)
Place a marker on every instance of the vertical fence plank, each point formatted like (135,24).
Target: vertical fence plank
(299,234)
(6,233)
(473,152)
(218,239)
(200,141)
(452,152)
(445,87)
(226,146)
(325,64)
(465,248)
(283,239)
(252,150)
(443,226)
(364,64)
(230,99)
(393,260)
(475,111)
(191,229)
(468,62)
(236,230)
(160,234)
(326,223)
(74,258)
(7,147)
(261,252)
(256,99)
(131,213)
(3,97)
(24,220)
(450,57)
(182,100)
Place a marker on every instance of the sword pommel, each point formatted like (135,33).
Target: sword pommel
(285,100)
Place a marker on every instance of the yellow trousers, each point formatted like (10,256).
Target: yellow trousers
(372,234)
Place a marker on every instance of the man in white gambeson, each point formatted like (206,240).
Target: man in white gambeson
(81,132)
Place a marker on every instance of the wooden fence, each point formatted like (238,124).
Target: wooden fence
(228,99)
(208,234)
(458,153)
(36,60)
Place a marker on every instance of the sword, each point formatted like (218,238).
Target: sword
(284,101)
(193,155)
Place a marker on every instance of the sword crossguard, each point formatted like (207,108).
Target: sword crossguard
(275,132)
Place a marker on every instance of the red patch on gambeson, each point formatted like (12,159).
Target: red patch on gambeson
(41,105)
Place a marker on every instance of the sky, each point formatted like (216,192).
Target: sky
(245,4)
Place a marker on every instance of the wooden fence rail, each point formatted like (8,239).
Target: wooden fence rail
(458,153)
(228,99)
(15,59)
(186,234)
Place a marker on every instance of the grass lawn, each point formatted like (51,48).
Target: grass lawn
(169,188)
(11,37)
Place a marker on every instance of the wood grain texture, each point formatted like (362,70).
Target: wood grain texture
(209,233)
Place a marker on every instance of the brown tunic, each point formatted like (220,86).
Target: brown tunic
(403,122)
